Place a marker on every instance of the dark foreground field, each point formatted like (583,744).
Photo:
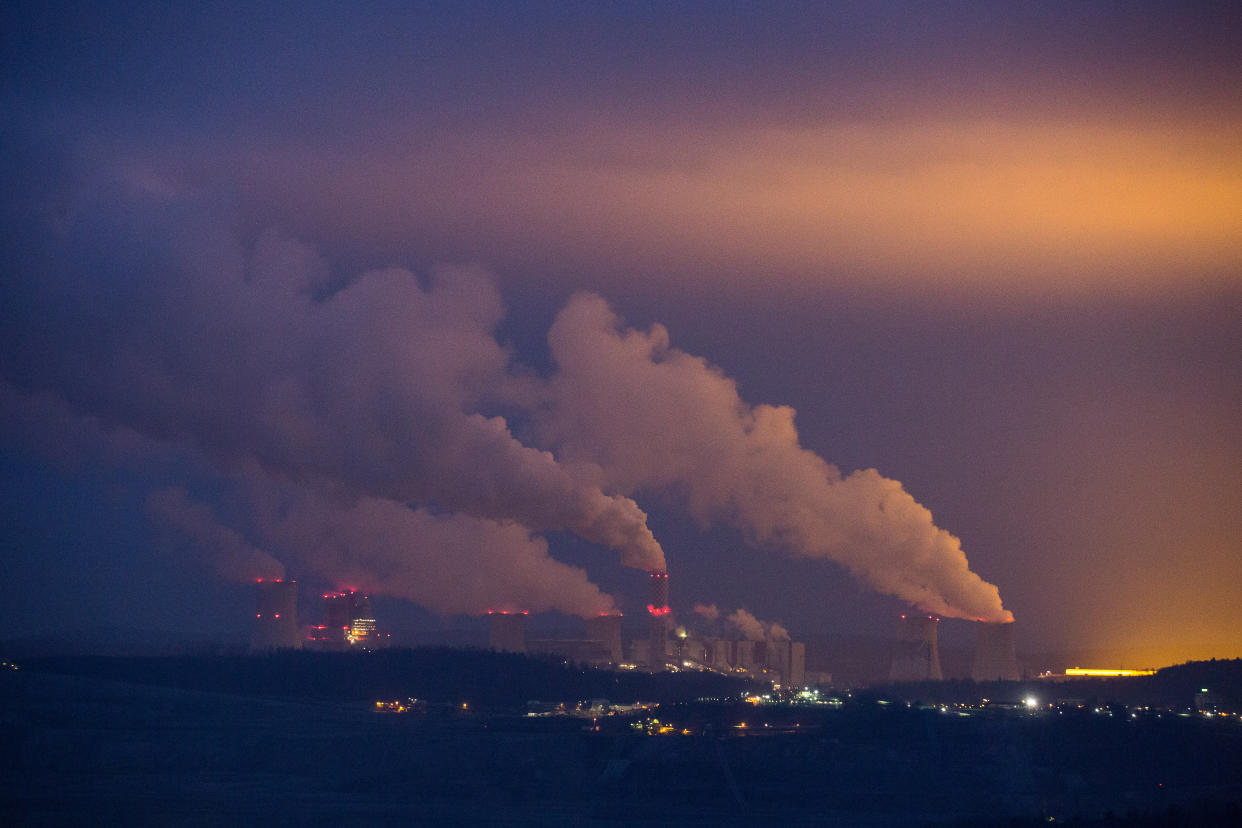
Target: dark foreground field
(92,751)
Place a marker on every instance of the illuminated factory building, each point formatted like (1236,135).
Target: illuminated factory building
(275,615)
(348,622)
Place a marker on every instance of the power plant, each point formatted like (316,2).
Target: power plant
(916,652)
(781,661)
(275,615)
(348,621)
(995,656)
(651,642)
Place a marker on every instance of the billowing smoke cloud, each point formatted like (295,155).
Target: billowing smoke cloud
(654,417)
(448,563)
(225,548)
(709,611)
(752,629)
(370,406)
(155,320)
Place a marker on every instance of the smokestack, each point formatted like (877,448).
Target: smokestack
(916,653)
(658,614)
(507,631)
(995,657)
(606,629)
(275,615)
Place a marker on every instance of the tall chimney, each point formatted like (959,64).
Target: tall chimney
(916,652)
(658,615)
(995,657)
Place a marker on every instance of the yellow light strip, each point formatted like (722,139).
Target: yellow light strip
(1099,673)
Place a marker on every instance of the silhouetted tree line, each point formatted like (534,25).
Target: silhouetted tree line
(479,677)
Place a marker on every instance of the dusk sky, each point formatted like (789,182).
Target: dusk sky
(837,309)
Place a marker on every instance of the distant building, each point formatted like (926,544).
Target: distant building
(276,615)
(348,622)
(362,632)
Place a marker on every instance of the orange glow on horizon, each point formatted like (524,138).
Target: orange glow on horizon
(1016,206)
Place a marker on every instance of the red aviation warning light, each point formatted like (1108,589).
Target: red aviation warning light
(654,610)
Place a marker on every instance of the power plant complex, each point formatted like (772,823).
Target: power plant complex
(659,646)
(348,622)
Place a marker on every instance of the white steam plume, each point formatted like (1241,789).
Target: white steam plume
(654,417)
(157,321)
(448,564)
(231,554)
(752,629)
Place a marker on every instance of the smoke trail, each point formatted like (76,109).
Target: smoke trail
(709,611)
(231,554)
(156,320)
(446,563)
(752,629)
(654,417)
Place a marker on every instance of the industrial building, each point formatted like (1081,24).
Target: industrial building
(348,622)
(782,662)
(916,650)
(275,615)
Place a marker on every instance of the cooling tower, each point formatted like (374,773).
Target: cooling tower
(275,615)
(658,615)
(606,629)
(507,631)
(995,657)
(916,652)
